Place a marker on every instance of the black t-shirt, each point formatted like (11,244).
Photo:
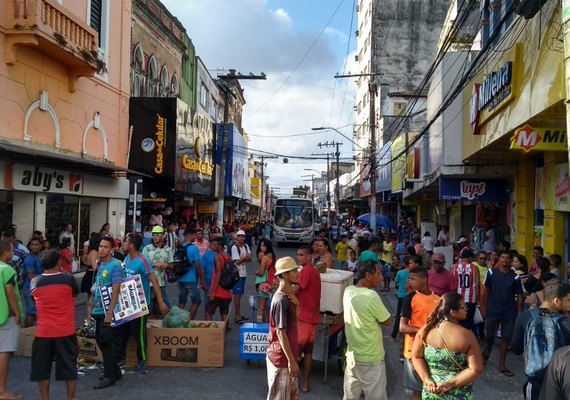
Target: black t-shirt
(363,245)
(556,384)
(532,285)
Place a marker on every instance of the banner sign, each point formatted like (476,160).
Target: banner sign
(153,141)
(552,189)
(472,189)
(384,170)
(236,161)
(528,138)
(132,302)
(39,179)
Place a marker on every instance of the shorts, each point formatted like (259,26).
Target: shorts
(63,350)
(189,288)
(212,305)
(239,288)
(412,382)
(342,264)
(507,327)
(9,336)
(30,303)
(306,337)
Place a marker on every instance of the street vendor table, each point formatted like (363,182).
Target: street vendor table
(330,326)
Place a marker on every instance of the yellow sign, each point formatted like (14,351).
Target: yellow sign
(528,138)
(202,167)
(207,207)
(399,164)
(255,188)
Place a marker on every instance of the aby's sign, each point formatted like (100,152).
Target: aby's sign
(36,179)
(472,189)
(528,138)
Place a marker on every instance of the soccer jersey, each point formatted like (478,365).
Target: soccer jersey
(466,280)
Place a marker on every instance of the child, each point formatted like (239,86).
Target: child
(352,263)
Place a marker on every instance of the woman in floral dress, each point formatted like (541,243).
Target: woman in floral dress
(446,356)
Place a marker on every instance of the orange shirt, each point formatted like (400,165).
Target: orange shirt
(417,307)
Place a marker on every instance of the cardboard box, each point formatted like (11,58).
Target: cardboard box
(185,347)
(26,340)
(88,349)
(131,358)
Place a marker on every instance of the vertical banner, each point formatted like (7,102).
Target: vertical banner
(135,201)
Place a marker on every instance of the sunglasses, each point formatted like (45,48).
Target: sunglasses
(157,234)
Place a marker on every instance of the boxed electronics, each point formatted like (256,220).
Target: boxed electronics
(333,283)
(199,346)
(26,340)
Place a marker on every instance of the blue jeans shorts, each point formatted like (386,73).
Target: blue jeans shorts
(189,288)
(239,288)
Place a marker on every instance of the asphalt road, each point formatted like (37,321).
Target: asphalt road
(239,379)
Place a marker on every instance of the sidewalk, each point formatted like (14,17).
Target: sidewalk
(490,384)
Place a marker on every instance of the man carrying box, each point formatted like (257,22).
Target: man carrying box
(53,293)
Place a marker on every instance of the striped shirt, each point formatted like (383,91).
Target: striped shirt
(466,280)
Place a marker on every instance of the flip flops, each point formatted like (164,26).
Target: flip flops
(506,373)
(10,396)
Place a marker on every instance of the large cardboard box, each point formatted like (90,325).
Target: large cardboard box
(26,340)
(186,347)
(88,349)
(333,283)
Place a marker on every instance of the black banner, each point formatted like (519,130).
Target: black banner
(153,142)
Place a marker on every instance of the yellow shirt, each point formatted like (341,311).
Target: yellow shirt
(342,251)
(387,252)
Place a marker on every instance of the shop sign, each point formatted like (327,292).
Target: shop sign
(199,166)
(154,197)
(472,189)
(552,188)
(153,142)
(236,161)
(528,138)
(207,207)
(37,179)
(384,170)
(255,188)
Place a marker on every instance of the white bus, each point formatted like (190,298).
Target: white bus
(293,220)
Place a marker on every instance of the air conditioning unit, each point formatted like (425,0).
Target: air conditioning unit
(528,8)
(357,8)
(356,32)
(356,57)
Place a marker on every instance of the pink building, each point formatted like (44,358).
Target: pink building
(64,135)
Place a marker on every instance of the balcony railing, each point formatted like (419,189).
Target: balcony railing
(55,32)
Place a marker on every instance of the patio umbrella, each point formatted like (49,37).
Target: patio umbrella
(381,220)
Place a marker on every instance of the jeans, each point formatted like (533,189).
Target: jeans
(105,336)
(186,289)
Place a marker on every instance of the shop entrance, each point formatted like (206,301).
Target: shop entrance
(6,208)
(62,210)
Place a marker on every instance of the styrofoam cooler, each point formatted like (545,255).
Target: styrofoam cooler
(333,283)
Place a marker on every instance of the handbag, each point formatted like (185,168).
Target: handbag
(478,317)
(74,266)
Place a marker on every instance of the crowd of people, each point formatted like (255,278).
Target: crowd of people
(450,312)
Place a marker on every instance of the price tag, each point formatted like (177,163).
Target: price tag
(255,343)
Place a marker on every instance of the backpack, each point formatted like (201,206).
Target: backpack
(230,273)
(181,264)
(543,335)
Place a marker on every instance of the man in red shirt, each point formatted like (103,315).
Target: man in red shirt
(309,294)
(218,296)
(55,339)
(440,280)
(282,353)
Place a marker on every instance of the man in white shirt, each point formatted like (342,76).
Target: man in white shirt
(240,254)
(68,232)
(427,243)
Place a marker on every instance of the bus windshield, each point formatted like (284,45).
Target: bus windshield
(294,214)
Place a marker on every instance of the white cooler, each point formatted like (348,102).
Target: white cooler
(333,283)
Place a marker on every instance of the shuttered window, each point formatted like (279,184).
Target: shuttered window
(96,17)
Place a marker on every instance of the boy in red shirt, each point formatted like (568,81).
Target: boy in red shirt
(218,296)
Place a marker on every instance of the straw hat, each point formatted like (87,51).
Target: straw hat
(285,264)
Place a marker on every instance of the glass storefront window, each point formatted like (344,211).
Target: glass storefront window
(6,209)
(62,210)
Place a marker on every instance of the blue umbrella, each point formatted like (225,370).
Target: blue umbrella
(381,220)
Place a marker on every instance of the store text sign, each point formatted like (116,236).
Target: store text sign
(472,189)
(528,138)
(37,179)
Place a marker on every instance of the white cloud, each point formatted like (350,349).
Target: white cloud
(247,36)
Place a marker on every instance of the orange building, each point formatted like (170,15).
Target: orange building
(64,135)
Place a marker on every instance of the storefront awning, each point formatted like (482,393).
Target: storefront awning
(29,155)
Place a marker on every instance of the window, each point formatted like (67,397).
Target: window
(152,78)
(164,82)
(137,70)
(204,96)
(174,85)
(98,18)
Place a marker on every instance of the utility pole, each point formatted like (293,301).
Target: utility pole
(328,181)
(337,188)
(225,84)
(312,180)
(262,183)
(373,89)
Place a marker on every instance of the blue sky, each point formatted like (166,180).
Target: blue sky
(273,36)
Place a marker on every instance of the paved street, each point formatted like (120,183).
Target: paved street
(242,380)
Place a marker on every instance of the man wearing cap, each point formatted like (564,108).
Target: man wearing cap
(466,281)
(240,254)
(282,353)
(363,243)
(161,258)
(363,313)
(440,280)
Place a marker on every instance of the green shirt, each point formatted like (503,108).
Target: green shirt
(107,274)
(8,275)
(162,254)
(363,313)
(368,255)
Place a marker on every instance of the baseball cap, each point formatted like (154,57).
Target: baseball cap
(285,264)
(438,257)
(365,233)
(462,240)
(157,229)
(240,233)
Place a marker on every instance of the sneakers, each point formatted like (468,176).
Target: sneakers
(141,368)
